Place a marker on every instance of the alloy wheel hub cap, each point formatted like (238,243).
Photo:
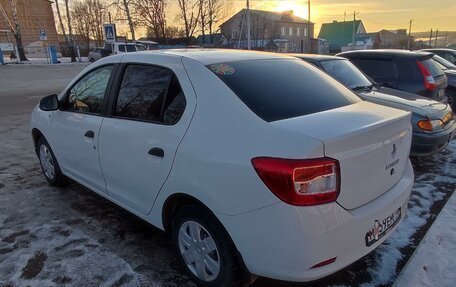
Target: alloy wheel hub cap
(199,251)
(47,162)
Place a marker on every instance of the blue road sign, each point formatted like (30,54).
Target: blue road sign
(110,33)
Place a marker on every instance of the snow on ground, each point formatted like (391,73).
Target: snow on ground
(41,61)
(434,263)
(73,237)
(426,192)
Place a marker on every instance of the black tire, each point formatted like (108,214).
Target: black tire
(232,272)
(92,60)
(58,179)
(451,94)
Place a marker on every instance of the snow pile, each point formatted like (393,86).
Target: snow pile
(425,193)
(434,263)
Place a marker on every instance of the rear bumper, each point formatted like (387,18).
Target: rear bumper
(427,144)
(283,241)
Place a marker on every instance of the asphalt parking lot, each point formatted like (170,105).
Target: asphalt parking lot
(73,237)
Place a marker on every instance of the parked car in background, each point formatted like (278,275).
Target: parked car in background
(95,54)
(123,47)
(445,63)
(413,72)
(247,158)
(433,122)
(450,72)
(447,54)
(150,45)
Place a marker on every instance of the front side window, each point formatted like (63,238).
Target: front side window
(150,93)
(121,48)
(88,93)
(140,48)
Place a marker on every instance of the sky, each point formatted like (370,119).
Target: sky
(376,15)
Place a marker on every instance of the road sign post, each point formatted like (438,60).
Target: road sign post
(43,36)
(109,33)
(1,57)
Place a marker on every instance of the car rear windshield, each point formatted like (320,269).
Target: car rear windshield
(433,68)
(283,88)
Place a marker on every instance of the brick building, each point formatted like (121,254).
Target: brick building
(33,16)
(276,31)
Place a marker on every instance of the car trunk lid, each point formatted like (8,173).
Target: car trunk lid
(371,143)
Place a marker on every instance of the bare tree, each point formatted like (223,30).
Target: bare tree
(70,31)
(15,28)
(189,14)
(63,30)
(126,8)
(211,14)
(152,14)
(90,15)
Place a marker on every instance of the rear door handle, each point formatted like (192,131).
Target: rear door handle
(89,134)
(156,151)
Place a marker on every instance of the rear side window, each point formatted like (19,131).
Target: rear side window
(149,93)
(131,48)
(376,68)
(433,67)
(282,89)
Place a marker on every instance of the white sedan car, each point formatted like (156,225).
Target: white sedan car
(252,161)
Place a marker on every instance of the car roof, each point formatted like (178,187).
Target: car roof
(440,49)
(210,56)
(387,52)
(316,57)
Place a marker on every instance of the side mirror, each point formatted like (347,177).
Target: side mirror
(49,103)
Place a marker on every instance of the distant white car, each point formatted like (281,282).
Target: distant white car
(248,159)
(95,54)
(124,47)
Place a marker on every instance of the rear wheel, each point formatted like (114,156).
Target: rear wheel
(49,165)
(205,249)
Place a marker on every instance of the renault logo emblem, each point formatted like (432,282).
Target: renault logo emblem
(393,153)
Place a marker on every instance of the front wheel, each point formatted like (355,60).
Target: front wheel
(49,165)
(205,249)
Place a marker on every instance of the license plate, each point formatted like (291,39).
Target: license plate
(382,226)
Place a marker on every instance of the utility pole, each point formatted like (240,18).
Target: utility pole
(436,36)
(430,39)
(249,47)
(354,25)
(109,16)
(410,35)
(308,26)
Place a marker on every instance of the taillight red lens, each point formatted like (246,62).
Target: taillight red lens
(300,182)
(429,82)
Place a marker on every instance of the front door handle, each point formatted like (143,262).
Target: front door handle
(89,134)
(156,151)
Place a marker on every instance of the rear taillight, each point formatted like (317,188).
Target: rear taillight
(300,182)
(429,81)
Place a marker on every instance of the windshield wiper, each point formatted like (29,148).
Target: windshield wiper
(363,88)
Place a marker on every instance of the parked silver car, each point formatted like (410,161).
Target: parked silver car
(433,122)
(95,54)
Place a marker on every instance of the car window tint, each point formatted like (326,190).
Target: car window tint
(433,68)
(141,48)
(345,72)
(131,48)
(174,104)
(281,89)
(142,91)
(376,68)
(450,57)
(122,48)
(87,95)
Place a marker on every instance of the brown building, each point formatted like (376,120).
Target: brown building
(34,15)
(276,31)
